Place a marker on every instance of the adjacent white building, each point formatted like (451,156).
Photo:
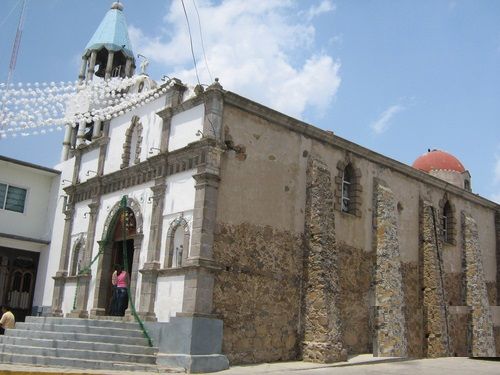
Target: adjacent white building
(27,203)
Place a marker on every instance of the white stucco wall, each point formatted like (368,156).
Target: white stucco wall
(169,292)
(32,222)
(184,127)
(88,165)
(151,124)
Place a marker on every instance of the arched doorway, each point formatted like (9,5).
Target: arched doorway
(122,247)
(120,244)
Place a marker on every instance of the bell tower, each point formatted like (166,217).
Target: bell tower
(109,50)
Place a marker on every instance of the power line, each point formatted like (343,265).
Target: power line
(201,37)
(191,42)
(10,12)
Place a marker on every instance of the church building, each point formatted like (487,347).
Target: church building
(251,236)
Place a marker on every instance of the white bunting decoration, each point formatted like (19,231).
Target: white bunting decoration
(37,108)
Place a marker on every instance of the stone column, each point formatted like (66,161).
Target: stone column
(96,131)
(436,327)
(60,277)
(128,67)
(390,338)
(109,65)
(214,105)
(66,142)
(82,296)
(166,115)
(497,231)
(80,138)
(152,265)
(481,342)
(83,67)
(323,340)
(91,66)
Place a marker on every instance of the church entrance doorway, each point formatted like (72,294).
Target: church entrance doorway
(119,251)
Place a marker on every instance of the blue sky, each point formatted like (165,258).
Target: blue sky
(397,77)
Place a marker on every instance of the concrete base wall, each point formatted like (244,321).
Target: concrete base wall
(193,343)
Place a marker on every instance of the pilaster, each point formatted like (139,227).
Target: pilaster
(152,265)
(83,281)
(322,327)
(60,277)
(199,280)
(390,337)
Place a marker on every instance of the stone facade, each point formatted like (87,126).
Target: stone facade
(323,341)
(390,324)
(257,293)
(355,275)
(480,328)
(413,309)
(437,343)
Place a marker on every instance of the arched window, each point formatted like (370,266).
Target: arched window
(77,259)
(447,221)
(133,144)
(177,243)
(348,188)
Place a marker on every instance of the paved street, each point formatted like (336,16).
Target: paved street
(358,365)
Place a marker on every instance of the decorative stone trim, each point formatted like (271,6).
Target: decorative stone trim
(134,128)
(347,169)
(189,157)
(169,251)
(451,234)
(77,252)
(134,205)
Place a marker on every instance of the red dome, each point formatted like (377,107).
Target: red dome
(438,160)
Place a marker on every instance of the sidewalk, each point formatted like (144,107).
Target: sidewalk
(357,365)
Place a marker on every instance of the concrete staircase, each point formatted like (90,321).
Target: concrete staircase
(78,343)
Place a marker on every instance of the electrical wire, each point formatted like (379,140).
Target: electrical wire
(191,42)
(202,43)
(10,12)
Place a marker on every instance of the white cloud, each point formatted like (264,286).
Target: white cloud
(260,49)
(324,7)
(383,122)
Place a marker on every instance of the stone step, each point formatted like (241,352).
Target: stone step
(84,345)
(15,358)
(91,330)
(78,354)
(75,336)
(102,322)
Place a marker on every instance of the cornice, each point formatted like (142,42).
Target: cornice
(328,137)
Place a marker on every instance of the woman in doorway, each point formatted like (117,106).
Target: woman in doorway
(119,302)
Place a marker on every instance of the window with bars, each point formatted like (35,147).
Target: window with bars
(346,189)
(12,198)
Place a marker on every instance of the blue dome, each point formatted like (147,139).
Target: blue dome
(111,34)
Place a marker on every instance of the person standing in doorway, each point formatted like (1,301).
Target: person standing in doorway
(119,302)
(7,321)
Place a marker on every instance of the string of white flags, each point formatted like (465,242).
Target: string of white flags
(41,107)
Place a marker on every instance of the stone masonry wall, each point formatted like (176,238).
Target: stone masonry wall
(413,309)
(322,340)
(480,328)
(436,326)
(257,293)
(389,319)
(355,273)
